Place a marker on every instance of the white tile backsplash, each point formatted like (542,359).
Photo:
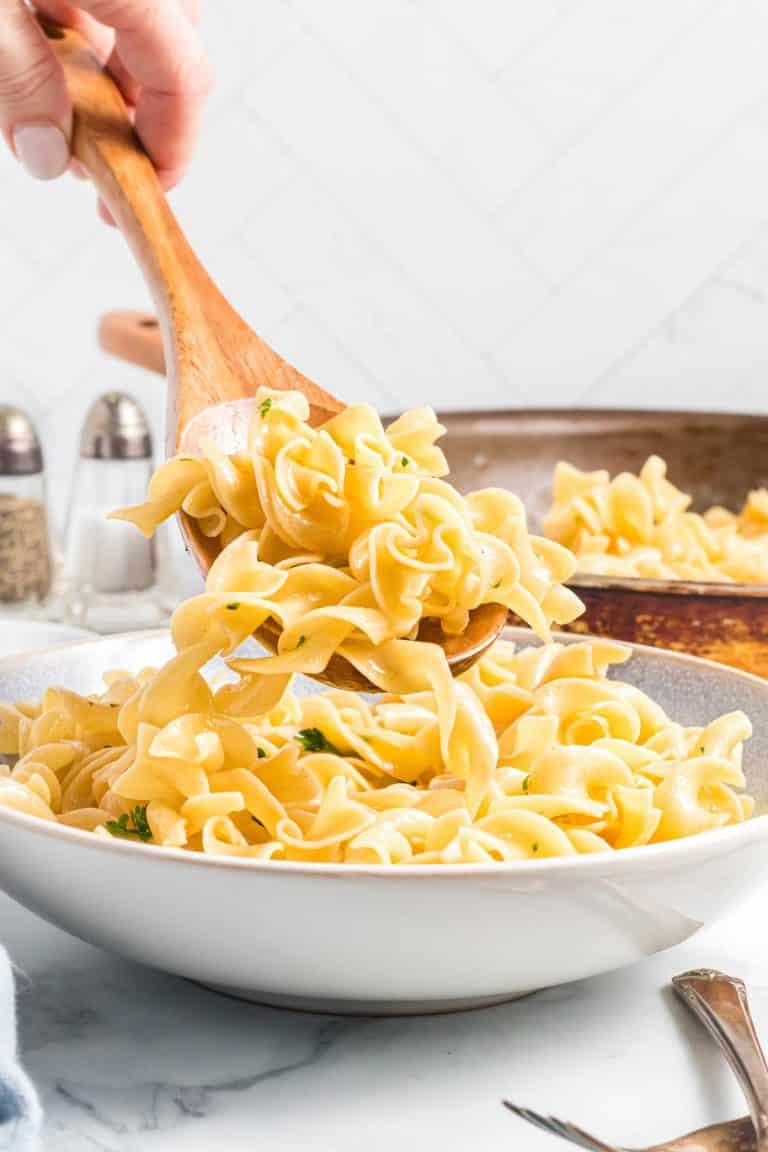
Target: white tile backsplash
(429,201)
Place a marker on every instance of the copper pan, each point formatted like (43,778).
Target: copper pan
(718,457)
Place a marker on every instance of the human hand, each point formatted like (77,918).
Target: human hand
(150,47)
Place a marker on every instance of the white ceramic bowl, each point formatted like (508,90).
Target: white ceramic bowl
(386,940)
(20,635)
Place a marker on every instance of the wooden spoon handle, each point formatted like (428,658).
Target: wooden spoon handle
(211,355)
(133,337)
(104,142)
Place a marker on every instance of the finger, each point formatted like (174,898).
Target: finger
(159,47)
(100,38)
(192,9)
(128,84)
(35,114)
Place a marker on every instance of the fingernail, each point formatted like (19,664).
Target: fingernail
(42,149)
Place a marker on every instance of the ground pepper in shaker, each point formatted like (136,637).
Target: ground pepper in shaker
(25,548)
(112,572)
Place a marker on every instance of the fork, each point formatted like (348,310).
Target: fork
(720,1002)
(732,1136)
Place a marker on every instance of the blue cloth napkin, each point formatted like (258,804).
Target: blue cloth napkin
(19,1108)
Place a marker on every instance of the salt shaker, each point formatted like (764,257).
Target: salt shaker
(25,548)
(112,574)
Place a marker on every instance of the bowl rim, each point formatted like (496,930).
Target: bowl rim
(600,865)
(595,866)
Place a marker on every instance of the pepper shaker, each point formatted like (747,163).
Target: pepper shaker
(25,547)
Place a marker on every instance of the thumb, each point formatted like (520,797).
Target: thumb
(35,113)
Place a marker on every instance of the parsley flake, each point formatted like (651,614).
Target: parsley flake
(701,749)
(265,406)
(133,823)
(233,606)
(497,584)
(405,461)
(261,754)
(525,784)
(313,740)
(302,640)
(535,847)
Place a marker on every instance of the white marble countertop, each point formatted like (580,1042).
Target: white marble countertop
(131,1060)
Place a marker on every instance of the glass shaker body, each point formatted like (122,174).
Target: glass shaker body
(25,548)
(112,573)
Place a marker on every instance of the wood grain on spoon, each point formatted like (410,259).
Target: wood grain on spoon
(214,362)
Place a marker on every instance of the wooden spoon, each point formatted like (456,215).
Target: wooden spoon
(135,337)
(214,361)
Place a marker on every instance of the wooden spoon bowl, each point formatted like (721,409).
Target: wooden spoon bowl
(213,360)
(135,338)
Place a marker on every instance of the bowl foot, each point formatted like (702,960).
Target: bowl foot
(333,1006)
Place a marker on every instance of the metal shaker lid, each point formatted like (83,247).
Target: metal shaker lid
(20,451)
(116,429)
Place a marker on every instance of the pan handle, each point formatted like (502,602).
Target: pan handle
(133,337)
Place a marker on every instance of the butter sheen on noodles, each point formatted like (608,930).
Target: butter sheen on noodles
(348,536)
(642,526)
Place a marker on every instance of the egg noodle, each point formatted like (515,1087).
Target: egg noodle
(346,536)
(641,526)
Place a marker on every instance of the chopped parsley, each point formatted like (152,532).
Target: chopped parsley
(113,704)
(265,406)
(133,823)
(313,740)
(302,640)
(233,606)
(497,584)
(405,461)
(525,784)
(186,459)
(535,847)
(701,749)
(261,754)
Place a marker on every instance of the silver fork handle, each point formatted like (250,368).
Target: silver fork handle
(720,1002)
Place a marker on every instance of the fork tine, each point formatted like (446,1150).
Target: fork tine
(530,1116)
(562,1128)
(581,1138)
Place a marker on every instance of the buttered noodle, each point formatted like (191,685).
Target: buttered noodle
(347,537)
(642,526)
